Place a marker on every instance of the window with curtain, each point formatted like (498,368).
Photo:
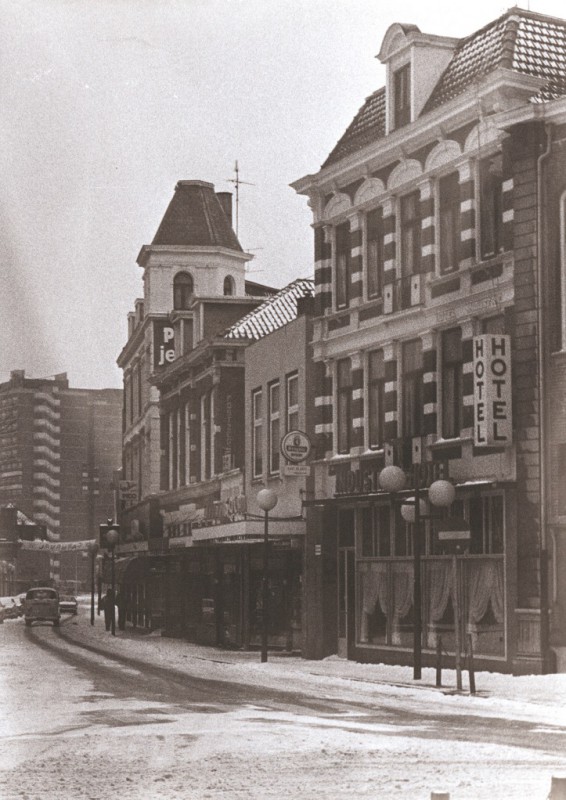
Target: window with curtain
(376,389)
(344,403)
(402,96)
(257,434)
(182,290)
(410,233)
(374,252)
(452,403)
(412,416)
(449,222)
(491,205)
(274,428)
(342,264)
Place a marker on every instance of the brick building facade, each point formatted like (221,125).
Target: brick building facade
(439,230)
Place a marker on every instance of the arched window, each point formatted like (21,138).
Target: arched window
(229,288)
(183,288)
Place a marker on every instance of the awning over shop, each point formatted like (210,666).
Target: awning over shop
(126,570)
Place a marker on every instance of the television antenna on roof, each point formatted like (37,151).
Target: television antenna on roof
(237,183)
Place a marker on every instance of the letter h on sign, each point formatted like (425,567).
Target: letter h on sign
(492,391)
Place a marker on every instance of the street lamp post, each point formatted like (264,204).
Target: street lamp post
(440,493)
(266,500)
(112,536)
(93,549)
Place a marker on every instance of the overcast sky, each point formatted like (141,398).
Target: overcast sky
(107,104)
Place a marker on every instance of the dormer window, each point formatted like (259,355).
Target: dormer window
(402,96)
(183,288)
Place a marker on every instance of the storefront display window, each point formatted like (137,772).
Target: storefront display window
(384,579)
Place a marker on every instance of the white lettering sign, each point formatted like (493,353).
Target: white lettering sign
(492,390)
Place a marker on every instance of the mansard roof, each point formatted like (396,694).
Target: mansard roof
(367,126)
(521,41)
(275,312)
(196,217)
(524,42)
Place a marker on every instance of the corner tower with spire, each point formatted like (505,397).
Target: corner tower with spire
(194,279)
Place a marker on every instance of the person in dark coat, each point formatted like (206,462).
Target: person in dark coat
(108,608)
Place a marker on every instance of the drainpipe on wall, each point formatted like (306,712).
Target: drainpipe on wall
(543,553)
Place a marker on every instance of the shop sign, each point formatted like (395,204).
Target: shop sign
(297,470)
(231,509)
(163,344)
(365,480)
(128,490)
(492,390)
(295,446)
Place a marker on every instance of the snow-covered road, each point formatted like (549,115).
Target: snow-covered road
(186,724)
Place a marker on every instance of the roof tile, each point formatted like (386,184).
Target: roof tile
(275,312)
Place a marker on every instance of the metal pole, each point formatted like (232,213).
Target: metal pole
(417,625)
(265,589)
(92,555)
(457,642)
(99,582)
(113,615)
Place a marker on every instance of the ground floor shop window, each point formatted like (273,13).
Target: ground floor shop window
(385,605)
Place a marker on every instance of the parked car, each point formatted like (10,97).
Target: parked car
(42,604)
(68,604)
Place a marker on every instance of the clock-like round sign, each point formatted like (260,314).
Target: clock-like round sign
(296,446)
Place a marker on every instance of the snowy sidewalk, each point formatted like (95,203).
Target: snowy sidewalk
(540,698)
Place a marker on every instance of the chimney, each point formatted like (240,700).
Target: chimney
(225,199)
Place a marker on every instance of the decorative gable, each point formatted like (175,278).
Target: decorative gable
(415,62)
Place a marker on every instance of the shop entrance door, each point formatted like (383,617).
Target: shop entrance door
(346,599)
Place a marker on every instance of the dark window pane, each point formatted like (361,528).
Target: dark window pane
(491,223)
(343,255)
(344,398)
(449,217)
(376,388)
(410,234)
(375,252)
(452,401)
(402,96)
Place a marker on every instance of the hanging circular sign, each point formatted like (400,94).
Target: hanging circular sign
(296,446)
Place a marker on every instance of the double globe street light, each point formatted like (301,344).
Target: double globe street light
(441,493)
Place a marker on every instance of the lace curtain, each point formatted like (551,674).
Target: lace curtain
(441,587)
(485,586)
(402,597)
(374,588)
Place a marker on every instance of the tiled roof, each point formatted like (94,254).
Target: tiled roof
(519,40)
(367,126)
(195,217)
(273,313)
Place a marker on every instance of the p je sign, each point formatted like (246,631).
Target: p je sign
(492,390)
(163,344)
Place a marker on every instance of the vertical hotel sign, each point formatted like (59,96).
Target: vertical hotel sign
(492,391)
(163,344)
